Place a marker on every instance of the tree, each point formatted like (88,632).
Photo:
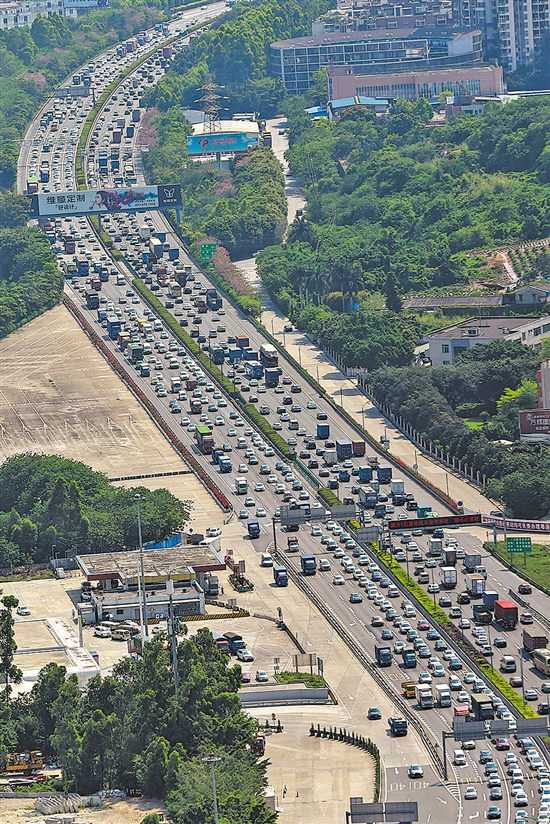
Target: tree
(9,672)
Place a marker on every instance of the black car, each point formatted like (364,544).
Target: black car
(321,416)
(287,400)
(184,322)
(374,714)
(500,642)
(463,598)
(485,756)
(194,333)
(304,454)
(169,304)
(312,464)
(202,339)
(333,484)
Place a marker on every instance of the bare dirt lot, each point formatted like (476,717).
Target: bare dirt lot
(111,811)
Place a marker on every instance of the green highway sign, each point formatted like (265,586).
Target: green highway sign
(207,250)
(518,545)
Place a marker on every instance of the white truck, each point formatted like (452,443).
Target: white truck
(448,577)
(397,486)
(241,486)
(144,231)
(443,695)
(475,584)
(435,547)
(424,696)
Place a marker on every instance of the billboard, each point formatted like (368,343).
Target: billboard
(430,523)
(534,425)
(514,523)
(220,143)
(105,201)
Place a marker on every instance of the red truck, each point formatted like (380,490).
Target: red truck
(507,613)
(204,439)
(533,642)
(359,448)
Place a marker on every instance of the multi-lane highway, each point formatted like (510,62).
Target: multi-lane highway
(376,617)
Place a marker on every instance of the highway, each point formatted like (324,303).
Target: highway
(257,461)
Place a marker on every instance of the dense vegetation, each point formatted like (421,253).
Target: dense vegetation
(233,54)
(395,207)
(493,383)
(47,501)
(130,730)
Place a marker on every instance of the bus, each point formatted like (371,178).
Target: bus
(269,357)
(174,289)
(32,185)
(82,264)
(541,660)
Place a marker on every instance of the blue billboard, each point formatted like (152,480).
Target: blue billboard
(220,143)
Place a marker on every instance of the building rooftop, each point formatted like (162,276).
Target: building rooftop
(230,127)
(436,301)
(422,32)
(157,564)
(486,328)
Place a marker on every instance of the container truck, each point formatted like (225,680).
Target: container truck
(269,356)
(506,612)
(235,353)
(449,557)
(482,707)
(280,576)
(144,231)
(330,457)
(201,306)
(271,377)
(482,615)
(117,136)
(167,52)
(343,449)
(136,115)
(359,448)
(397,487)
(254,370)
(533,642)
(448,577)
(235,641)
(204,439)
(383,656)
(241,486)
(409,657)
(92,300)
(489,598)
(253,528)
(323,431)
(217,354)
(384,472)
(471,561)
(365,474)
(225,464)
(242,341)
(443,695)
(435,547)
(408,688)
(309,564)
(113,326)
(398,726)
(475,584)
(213,300)
(424,696)
(155,247)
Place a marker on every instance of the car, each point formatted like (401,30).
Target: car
(502,744)
(423,625)
(526,618)
(432,635)
(355,598)
(493,813)
(485,756)
(525,589)
(495,794)
(545,687)
(464,623)
(374,714)
(387,635)
(102,632)
(521,799)
(500,642)
(531,694)
(516,681)
(244,655)
(338,580)
(376,621)
(424,678)
(416,771)
(245,678)
(469,678)
(262,676)
(464,598)
(23,610)
(444,601)
(470,794)
(468,745)
(213,532)
(511,761)
(243,514)
(261,512)
(433,588)
(494,780)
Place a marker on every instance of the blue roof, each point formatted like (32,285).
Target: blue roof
(317,111)
(342,102)
(372,101)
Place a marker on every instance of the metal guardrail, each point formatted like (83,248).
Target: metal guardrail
(365,660)
(523,603)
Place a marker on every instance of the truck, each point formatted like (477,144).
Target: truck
(195,406)
(489,598)
(269,356)
(344,476)
(408,688)
(254,370)
(409,657)
(156,247)
(398,726)
(448,577)
(242,341)
(200,306)
(204,439)
(365,474)
(221,643)
(271,377)
(144,231)
(25,762)
(435,547)
(424,696)
(280,576)
(449,557)
(323,431)
(101,315)
(134,352)
(397,487)
(383,655)
(308,563)
(292,544)
(330,457)
(213,300)
(253,527)
(217,354)
(113,326)
(481,614)
(368,497)
(482,707)
(506,612)
(359,448)
(92,300)
(69,245)
(136,115)
(533,642)
(471,561)
(344,449)
(475,584)
(167,52)
(235,641)
(130,129)
(225,464)
(443,695)
(241,486)
(384,472)
(117,136)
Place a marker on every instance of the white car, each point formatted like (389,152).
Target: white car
(102,632)
(244,655)
(213,531)
(23,610)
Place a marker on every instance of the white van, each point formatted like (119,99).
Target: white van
(459,758)
(267,560)
(480,570)
(121,634)
(158,326)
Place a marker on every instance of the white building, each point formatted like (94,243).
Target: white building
(521,25)
(18,15)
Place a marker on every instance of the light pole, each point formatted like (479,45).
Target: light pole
(172,632)
(272,329)
(212,759)
(520,653)
(137,499)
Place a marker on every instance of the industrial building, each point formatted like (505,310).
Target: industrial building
(115,579)
(381,51)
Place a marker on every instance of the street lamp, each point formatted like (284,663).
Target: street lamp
(212,759)
(272,329)
(520,653)
(137,499)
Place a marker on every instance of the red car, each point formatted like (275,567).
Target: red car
(463,598)
(516,681)
(502,744)
(245,678)
(525,589)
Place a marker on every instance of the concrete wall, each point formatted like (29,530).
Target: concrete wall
(294,693)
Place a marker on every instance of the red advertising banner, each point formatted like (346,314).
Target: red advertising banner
(430,523)
(514,524)
(534,425)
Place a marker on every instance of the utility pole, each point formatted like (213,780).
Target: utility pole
(137,499)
